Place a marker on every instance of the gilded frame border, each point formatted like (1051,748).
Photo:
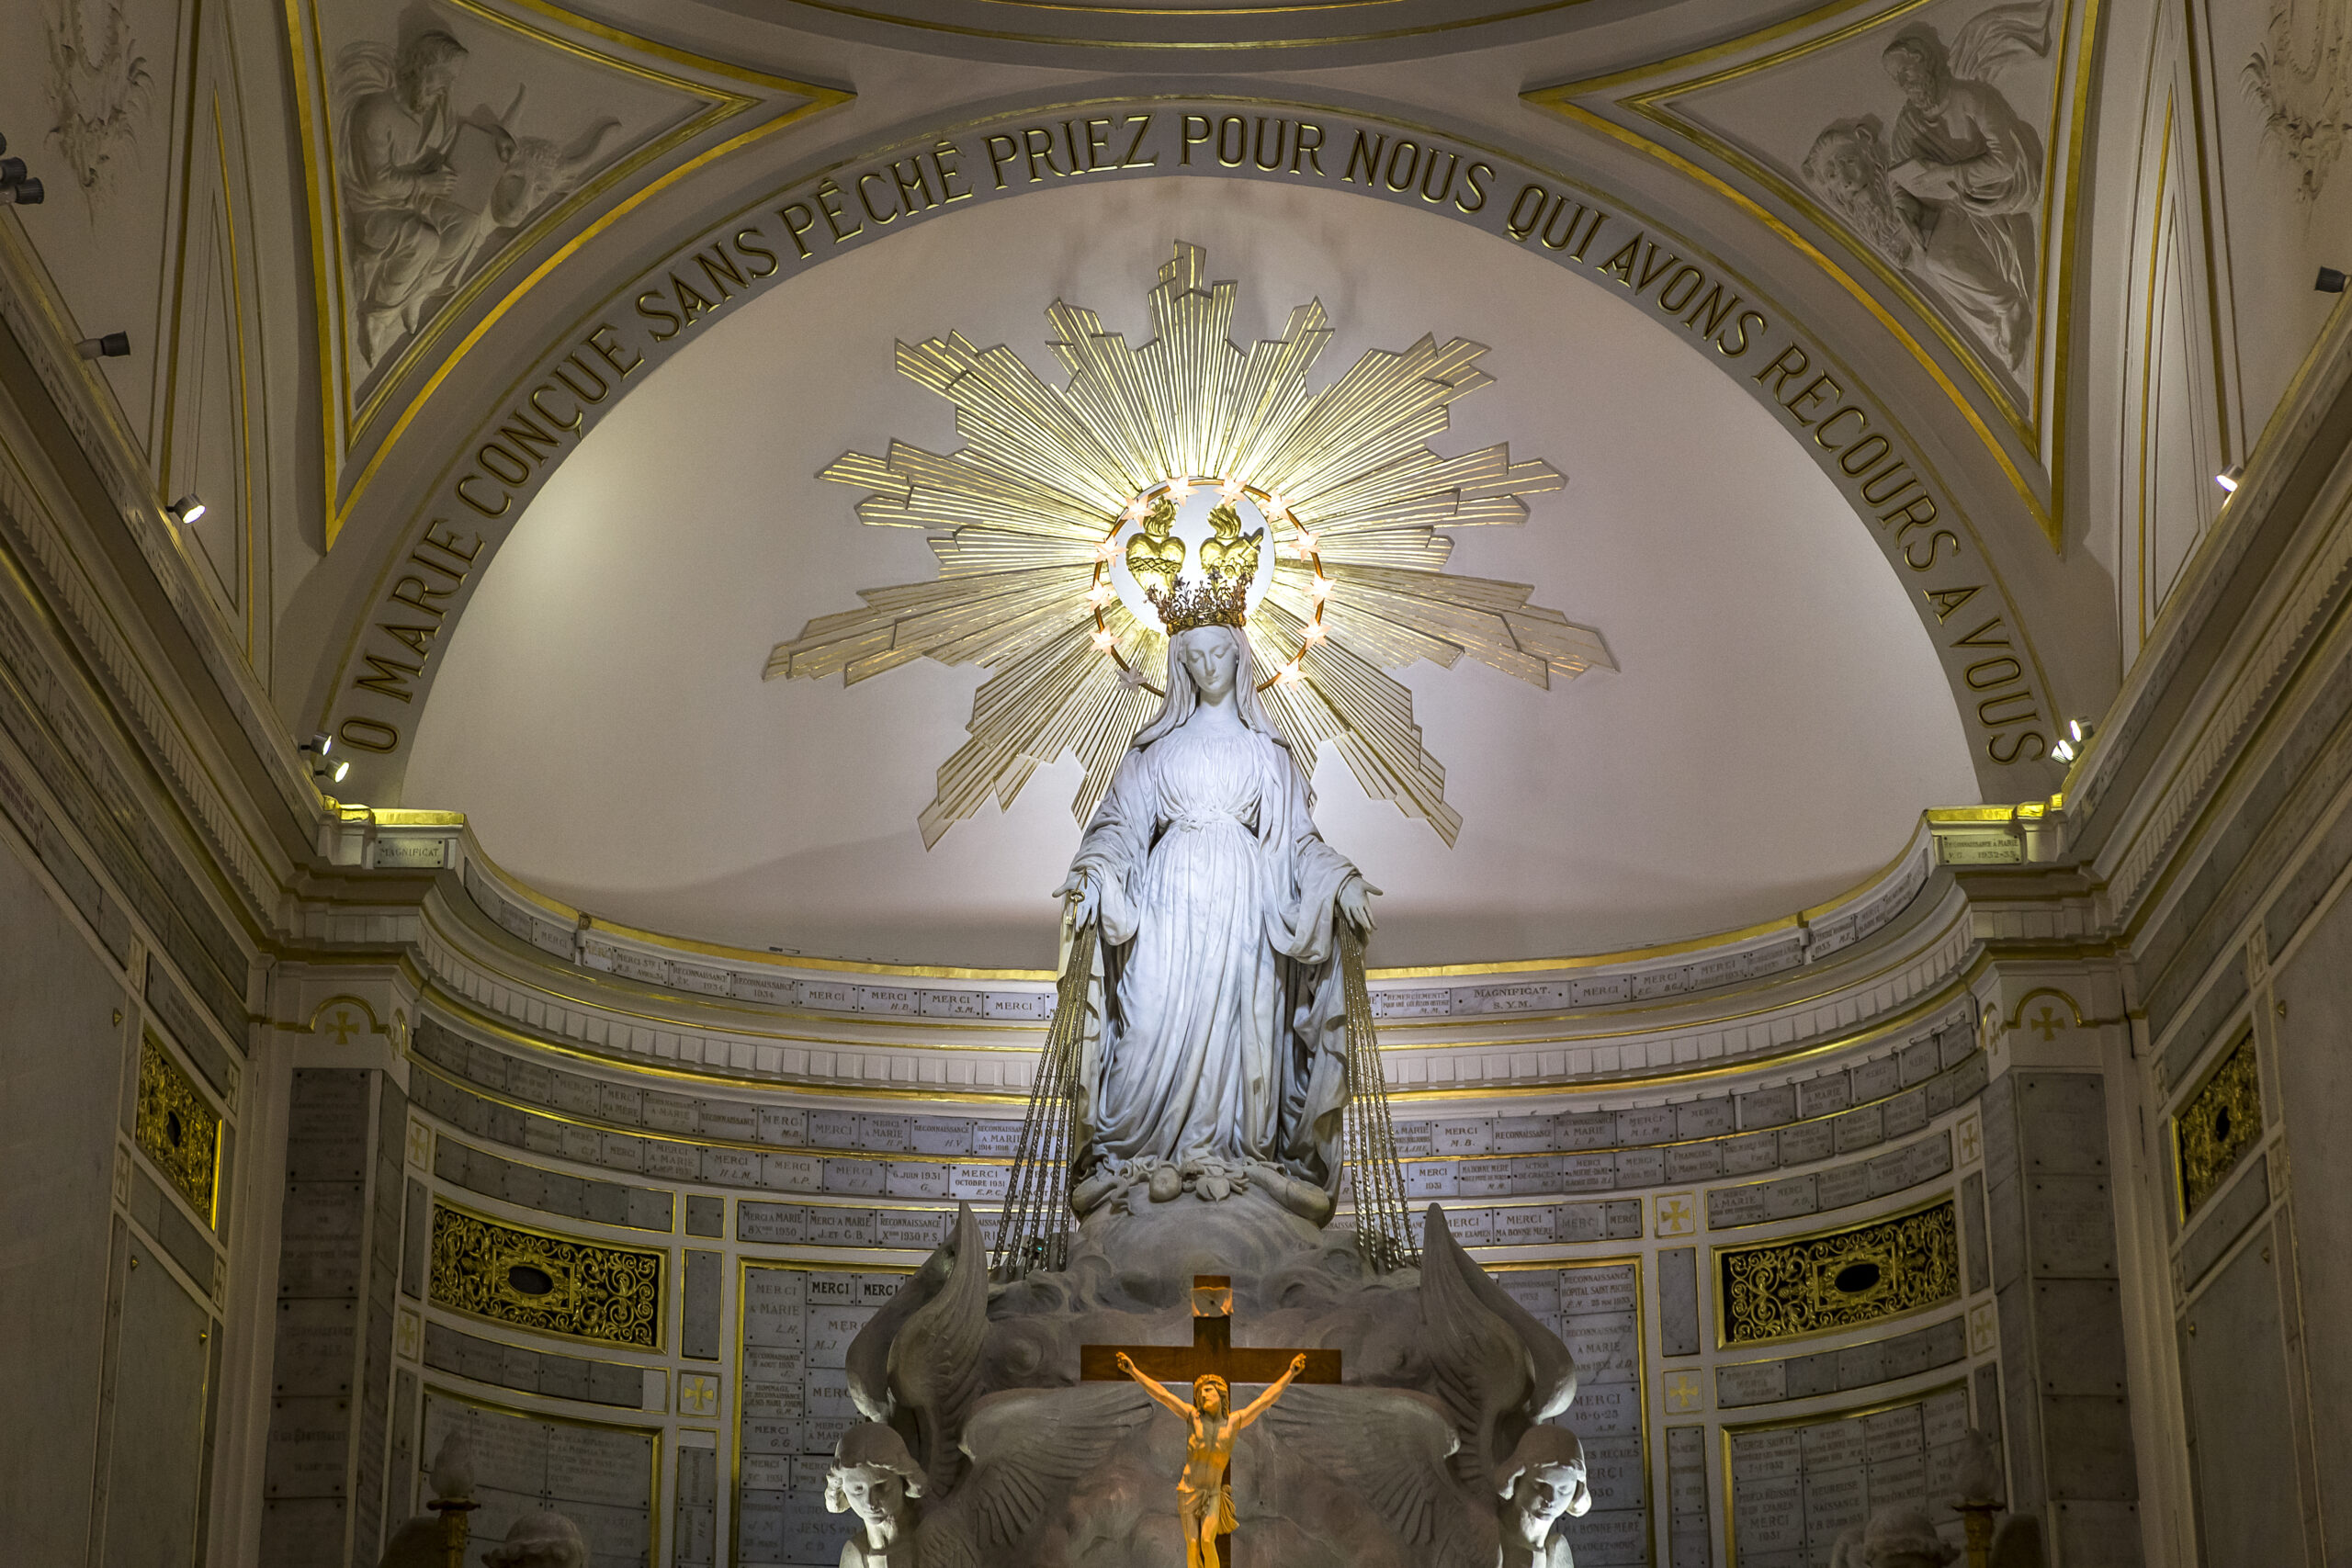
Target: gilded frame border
(1951,1195)
(437,1199)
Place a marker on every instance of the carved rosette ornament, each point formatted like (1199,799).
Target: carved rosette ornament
(1188,475)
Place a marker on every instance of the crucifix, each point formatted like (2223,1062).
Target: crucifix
(1212,1364)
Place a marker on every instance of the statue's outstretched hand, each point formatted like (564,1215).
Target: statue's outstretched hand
(1078,891)
(1356,903)
(1297,1364)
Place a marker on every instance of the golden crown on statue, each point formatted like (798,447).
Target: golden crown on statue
(1221,600)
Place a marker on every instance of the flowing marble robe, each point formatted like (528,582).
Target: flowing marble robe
(1223,1034)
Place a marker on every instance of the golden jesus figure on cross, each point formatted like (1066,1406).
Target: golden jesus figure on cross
(1204,1501)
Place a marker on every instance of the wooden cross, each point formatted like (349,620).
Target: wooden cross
(1212,1353)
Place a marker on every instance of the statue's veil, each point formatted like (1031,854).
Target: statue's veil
(1184,696)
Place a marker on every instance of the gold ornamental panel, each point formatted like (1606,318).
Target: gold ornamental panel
(2216,1126)
(548,1283)
(1842,1278)
(177,1128)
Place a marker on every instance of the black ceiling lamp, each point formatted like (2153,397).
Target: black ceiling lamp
(17,185)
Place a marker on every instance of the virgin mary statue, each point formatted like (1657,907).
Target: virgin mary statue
(1220,1057)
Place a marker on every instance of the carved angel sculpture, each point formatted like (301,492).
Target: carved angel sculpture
(874,1477)
(1543,1483)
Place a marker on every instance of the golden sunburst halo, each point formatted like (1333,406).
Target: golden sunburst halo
(1024,519)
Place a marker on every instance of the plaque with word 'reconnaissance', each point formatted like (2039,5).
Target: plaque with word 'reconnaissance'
(598,1476)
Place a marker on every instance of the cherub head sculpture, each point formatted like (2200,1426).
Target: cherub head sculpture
(540,1540)
(876,1478)
(1846,164)
(1543,1482)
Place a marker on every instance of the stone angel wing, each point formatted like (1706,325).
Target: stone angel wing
(1027,1449)
(1497,1371)
(1999,35)
(1387,1450)
(916,1365)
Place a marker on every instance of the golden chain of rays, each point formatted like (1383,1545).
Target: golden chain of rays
(1016,515)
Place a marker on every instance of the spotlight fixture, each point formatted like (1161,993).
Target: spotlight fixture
(114,345)
(187,509)
(2070,745)
(316,748)
(2329,281)
(17,183)
(2229,479)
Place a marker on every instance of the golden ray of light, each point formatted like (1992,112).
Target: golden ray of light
(1017,515)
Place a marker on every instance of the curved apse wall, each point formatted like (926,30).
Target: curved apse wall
(635,1273)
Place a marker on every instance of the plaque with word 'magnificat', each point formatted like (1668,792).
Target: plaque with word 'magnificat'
(1841,1279)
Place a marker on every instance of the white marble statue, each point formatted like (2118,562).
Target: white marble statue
(874,1477)
(1220,1057)
(1542,1482)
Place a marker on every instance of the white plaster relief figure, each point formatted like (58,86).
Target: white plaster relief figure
(424,203)
(2300,77)
(98,89)
(1949,193)
(876,1478)
(1542,1484)
(1220,1058)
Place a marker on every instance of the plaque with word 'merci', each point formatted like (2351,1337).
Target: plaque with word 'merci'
(798,1325)
(1596,1309)
(598,1476)
(1797,1485)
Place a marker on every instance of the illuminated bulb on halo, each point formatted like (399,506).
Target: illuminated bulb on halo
(1101,594)
(1229,491)
(1275,505)
(1314,633)
(1102,639)
(1320,587)
(1307,542)
(1135,509)
(1180,488)
(1288,674)
(1107,549)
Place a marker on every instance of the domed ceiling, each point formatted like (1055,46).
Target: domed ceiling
(1776,721)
